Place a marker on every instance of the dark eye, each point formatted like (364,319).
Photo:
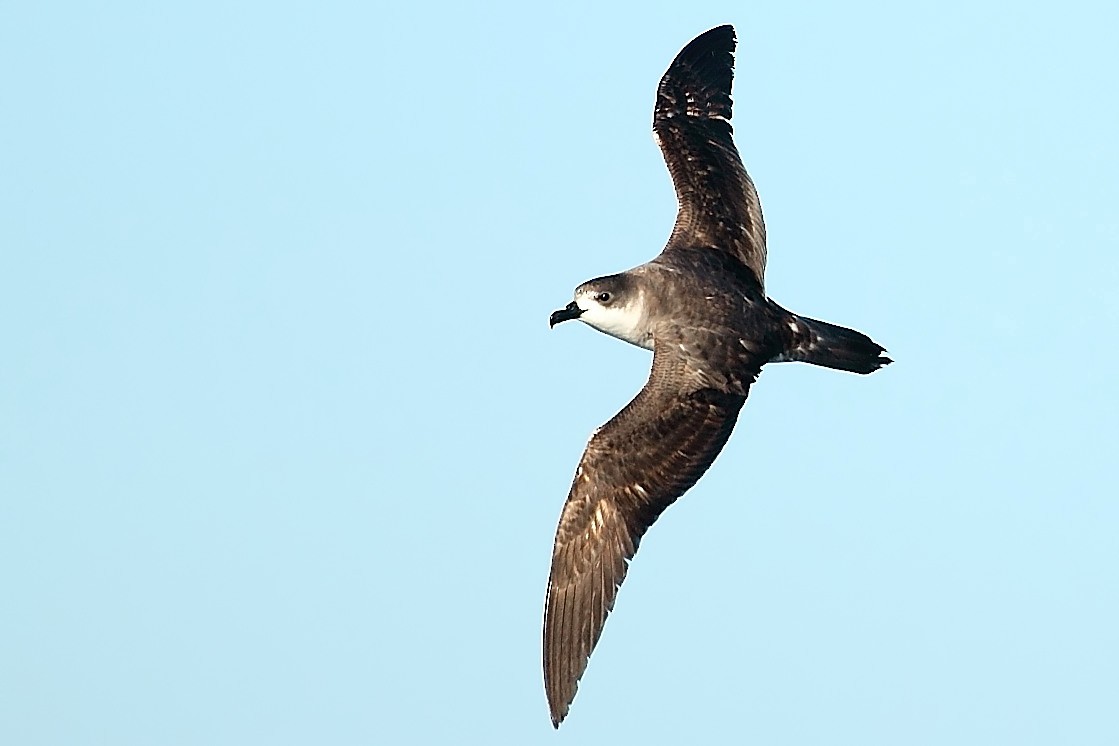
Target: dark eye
(604,297)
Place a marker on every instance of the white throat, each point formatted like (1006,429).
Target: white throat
(624,322)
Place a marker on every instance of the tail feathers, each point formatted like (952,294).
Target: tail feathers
(821,343)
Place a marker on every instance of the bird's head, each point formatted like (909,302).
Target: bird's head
(611,304)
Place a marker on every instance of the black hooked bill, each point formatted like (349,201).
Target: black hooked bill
(570,311)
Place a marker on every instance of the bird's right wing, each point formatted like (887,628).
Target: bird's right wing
(634,467)
(719,207)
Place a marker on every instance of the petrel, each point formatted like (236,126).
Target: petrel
(701,307)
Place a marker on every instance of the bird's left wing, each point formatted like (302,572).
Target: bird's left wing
(634,467)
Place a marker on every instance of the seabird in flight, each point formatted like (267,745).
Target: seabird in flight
(701,307)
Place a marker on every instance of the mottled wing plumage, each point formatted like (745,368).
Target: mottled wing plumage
(634,467)
(719,206)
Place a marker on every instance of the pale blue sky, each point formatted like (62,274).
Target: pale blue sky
(284,434)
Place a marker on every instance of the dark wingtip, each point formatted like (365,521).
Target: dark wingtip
(719,40)
(716,37)
(698,82)
(558,710)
